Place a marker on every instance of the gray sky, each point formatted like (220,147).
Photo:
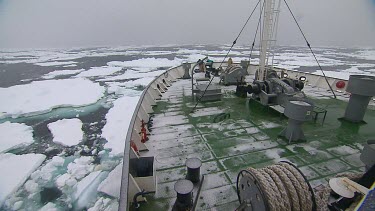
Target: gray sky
(76,23)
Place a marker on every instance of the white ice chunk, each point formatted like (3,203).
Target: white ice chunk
(86,189)
(118,120)
(42,96)
(53,74)
(55,63)
(111,185)
(99,71)
(31,186)
(13,135)
(16,168)
(49,207)
(81,167)
(147,62)
(105,204)
(67,132)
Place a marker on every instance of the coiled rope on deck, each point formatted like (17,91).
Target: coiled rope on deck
(284,187)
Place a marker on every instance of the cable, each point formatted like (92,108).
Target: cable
(308,44)
(256,32)
(234,42)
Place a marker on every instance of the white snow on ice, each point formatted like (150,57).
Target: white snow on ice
(14,135)
(55,63)
(146,62)
(67,132)
(42,96)
(86,189)
(56,73)
(111,185)
(118,120)
(99,71)
(17,169)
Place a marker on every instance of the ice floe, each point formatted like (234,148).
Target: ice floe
(55,63)
(112,184)
(146,62)
(56,73)
(85,192)
(118,120)
(18,168)
(42,96)
(99,71)
(14,135)
(67,132)
(80,167)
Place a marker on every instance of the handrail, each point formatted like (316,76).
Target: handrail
(123,201)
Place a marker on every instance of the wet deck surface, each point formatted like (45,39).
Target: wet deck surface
(247,135)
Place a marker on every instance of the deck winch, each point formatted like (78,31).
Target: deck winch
(276,187)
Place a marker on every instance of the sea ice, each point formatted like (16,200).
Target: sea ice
(85,190)
(56,73)
(42,96)
(45,174)
(105,204)
(118,120)
(13,135)
(55,63)
(112,184)
(147,62)
(49,207)
(99,71)
(67,132)
(81,167)
(17,169)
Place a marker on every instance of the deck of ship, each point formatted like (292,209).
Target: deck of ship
(248,136)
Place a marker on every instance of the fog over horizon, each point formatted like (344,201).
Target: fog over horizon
(89,23)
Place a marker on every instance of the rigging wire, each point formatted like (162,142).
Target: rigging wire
(256,32)
(234,42)
(308,44)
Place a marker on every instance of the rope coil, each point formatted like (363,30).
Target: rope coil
(283,185)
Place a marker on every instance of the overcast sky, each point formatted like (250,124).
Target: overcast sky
(81,23)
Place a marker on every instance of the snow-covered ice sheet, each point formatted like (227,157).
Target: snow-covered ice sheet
(131,74)
(55,63)
(111,185)
(17,168)
(85,192)
(67,132)
(147,62)
(42,96)
(99,71)
(56,73)
(118,120)
(13,135)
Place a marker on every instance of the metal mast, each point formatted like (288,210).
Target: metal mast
(268,38)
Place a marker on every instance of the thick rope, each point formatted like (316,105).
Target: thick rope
(285,188)
(292,193)
(263,183)
(274,190)
(306,200)
(281,188)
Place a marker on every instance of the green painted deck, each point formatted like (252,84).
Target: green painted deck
(249,137)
